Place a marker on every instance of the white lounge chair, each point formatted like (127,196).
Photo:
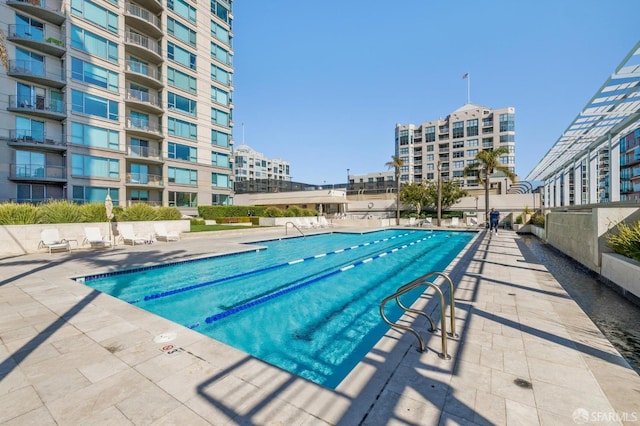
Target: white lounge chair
(163,235)
(128,236)
(50,239)
(427,222)
(324,223)
(93,237)
(455,221)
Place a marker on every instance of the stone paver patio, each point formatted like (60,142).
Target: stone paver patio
(526,353)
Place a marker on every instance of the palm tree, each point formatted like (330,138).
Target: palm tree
(487,162)
(396,163)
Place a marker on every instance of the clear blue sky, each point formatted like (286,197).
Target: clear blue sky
(322,84)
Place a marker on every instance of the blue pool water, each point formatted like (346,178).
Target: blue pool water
(307,305)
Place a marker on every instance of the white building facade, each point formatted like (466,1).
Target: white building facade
(452,143)
(252,165)
(131,99)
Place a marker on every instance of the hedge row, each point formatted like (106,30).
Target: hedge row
(220,212)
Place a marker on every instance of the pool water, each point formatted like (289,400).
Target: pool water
(307,305)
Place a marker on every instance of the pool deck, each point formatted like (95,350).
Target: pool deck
(526,353)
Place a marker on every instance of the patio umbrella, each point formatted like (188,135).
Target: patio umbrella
(108,205)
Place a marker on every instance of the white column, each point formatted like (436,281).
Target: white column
(577,182)
(566,189)
(558,191)
(592,170)
(614,169)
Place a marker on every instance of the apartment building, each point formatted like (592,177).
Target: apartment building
(127,98)
(452,143)
(373,183)
(254,172)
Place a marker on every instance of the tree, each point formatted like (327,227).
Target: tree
(415,195)
(451,194)
(487,162)
(396,163)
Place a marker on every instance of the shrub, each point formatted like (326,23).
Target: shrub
(139,212)
(273,212)
(60,212)
(196,222)
(538,219)
(18,214)
(168,213)
(293,211)
(93,212)
(519,219)
(308,212)
(626,241)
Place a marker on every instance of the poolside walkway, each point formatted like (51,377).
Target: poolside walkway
(526,354)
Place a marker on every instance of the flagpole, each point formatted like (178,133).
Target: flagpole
(468,88)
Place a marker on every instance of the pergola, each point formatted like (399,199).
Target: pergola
(614,108)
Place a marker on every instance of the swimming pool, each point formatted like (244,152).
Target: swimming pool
(307,305)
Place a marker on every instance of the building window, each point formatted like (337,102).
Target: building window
(220,33)
(181,103)
(183,199)
(181,32)
(219,180)
(183,9)
(93,44)
(220,75)
(28,129)
(458,154)
(181,80)
(220,117)
(91,166)
(487,143)
(182,152)
(94,75)
(472,152)
(97,106)
(181,56)
(221,200)
(182,128)
(457,144)
(220,139)
(220,54)
(88,135)
(430,148)
(472,142)
(507,122)
(430,134)
(457,164)
(219,96)
(220,10)
(472,127)
(222,160)
(507,138)
(458,129)
(182,176)
(94,194)
(95,14)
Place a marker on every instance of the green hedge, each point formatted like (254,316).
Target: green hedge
(219,212)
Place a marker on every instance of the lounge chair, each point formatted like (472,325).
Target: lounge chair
(93,237)
(163,235)
(455,221)
(50,239)
(128,236)
(323,222)
(427,222)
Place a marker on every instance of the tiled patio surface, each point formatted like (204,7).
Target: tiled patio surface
(526,354)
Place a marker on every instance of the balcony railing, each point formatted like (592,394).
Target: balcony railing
(143,41)
(144,97)
(36,171)
(49,10)
(31,33)
(37,103)
(143,69)
(33,68)
(144,179)
(144,152)
(143,14)
(29,136)
(145,125)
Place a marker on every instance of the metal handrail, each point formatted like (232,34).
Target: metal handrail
(295,226)
(422,281)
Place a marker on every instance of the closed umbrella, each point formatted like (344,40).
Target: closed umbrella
(108,205)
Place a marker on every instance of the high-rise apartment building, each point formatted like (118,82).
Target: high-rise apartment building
(120,97)
(253,165)
(452,143)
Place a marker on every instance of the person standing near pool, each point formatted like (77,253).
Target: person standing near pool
(494,219)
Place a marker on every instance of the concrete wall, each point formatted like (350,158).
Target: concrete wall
(623,272)
(580,232)
(23,239)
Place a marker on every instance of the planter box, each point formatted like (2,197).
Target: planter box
(622,271)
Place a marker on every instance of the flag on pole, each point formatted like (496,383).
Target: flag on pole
(466,75)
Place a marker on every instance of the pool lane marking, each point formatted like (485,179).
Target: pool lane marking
(256,271)
(282,292)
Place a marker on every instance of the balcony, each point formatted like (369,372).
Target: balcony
(50,42)
(38,106)
(144,179)
(155,6)
(143,74)
(36,72)
(145,153)
(37,173)
(143,46)
(41,140)
(142,19)
(143,127)
(49,10)
(145,101)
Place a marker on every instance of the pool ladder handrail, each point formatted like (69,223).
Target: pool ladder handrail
(422,281)
(295,226)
